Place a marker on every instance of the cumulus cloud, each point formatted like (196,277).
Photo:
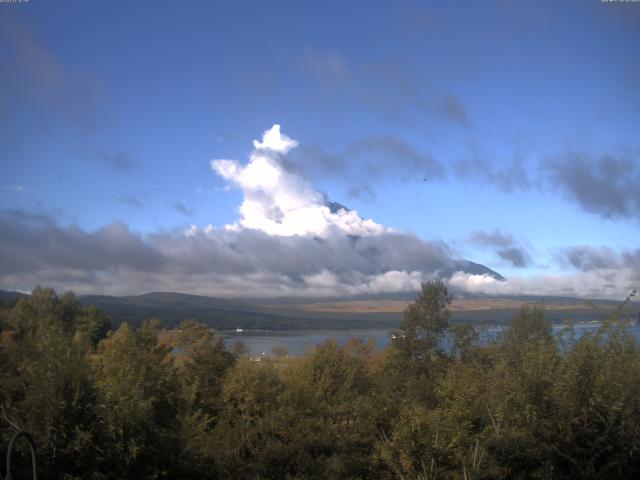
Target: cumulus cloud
(34,249)
(592,272)
(289,240)
(280,202)
(504,246)
(597,284)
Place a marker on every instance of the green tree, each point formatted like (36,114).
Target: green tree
(45,384)
(138,392)
(332,390)
(202,363)
(415,360)
(464,341)
(424,322)
(92,323)
(252,437)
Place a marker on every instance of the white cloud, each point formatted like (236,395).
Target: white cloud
(288,241)
(279,202)
(596,284)
(275,141)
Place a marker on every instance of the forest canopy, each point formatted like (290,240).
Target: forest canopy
(150,403)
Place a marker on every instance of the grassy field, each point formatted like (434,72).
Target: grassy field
(471,310)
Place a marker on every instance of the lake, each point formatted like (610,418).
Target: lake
(298,342)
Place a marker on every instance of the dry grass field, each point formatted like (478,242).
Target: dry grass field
(398,306)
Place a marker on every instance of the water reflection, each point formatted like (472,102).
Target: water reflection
(297,342)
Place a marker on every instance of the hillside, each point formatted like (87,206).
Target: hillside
(218,313)
(383,311)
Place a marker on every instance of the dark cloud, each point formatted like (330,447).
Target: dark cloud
(450,106)
(603,260)
(385,154)
(183,209)
(392,88)
(37,79)
(631,259)
(121,161)
(34,249)
(311,161)
(30,243)
(493,239)
(507,175)
(504,246)
(389,87)
(365,162)
(516,256)
(362,191)
(608,186)
(132,201)
(586,258)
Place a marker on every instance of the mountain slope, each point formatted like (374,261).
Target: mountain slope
(473,268)
(217,313)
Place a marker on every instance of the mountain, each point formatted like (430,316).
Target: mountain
(363,311)
(473,268)
(335,207)
(171,308)
(10,297)
(464,266)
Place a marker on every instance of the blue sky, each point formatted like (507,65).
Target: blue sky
(522,117)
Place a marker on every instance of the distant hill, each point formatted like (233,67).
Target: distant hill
(218,313)
(172,308)
(8,298)
(364,311)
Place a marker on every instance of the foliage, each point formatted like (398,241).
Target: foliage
(437,404)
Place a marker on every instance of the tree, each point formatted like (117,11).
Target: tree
(93,324)
(463,341)
(424,322)
(332,390)
(138,392)
(529,326)
(415,359)
(252,438)
(203,364)
(45,383)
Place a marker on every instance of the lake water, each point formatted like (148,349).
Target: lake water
(298,342)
